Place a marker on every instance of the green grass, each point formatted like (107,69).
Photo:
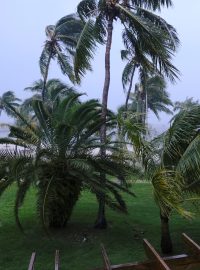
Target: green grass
(122,239)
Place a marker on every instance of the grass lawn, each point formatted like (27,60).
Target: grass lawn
(122,239)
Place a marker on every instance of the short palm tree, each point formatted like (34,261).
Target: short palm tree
(61,159)
(172,163)
(60,44)
(100,16)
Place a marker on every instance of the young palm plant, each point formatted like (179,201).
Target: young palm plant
(61,159)
(100,16)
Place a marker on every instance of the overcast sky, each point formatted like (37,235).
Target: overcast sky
(22,37)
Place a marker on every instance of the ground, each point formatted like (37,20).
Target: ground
(79,243)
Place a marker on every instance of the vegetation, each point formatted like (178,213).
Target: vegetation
(122,239)
(60,44)
(66,148)
(154,98)
(8,98)
(157,37)
(172,162)
(60,159)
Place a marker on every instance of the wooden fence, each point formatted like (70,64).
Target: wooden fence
(154,261)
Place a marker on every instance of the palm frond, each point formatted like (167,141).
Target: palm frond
(168,192)
(152,4)
(64,63)
(86,8)
(85,50)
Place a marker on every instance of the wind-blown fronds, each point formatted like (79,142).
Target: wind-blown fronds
(173,162)
(152,4)
(156,38)
(167,188)
(60,44)
(60,158)
(87,8)
(8,98)
(85,49)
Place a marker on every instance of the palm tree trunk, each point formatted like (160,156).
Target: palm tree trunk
(166,242)
(129,90)
(144,102)
(101,219)
(139,105)
(146,110)
(46,75)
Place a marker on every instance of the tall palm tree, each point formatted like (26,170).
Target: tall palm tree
(8,98)
(60,159)
(61,41)
(100,16)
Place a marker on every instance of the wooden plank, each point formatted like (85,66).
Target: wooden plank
(106,260)
(154,256)
(182,261)
(178,261)
(57,260)
(193,247)
(32,261)
(133,266)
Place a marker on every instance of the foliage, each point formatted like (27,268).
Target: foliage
(55,89)
(187,104)
(99,17)
(177,155)
(8,98)
(153,97)
(60,44)
(145,34)
(60,158)
(79,244)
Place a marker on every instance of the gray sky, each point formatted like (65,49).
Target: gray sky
(22,37)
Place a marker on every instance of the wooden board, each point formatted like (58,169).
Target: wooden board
(32,261)
(192,246)
(106,260)
(57,260)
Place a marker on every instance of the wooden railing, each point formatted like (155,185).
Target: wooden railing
(154,261)
(33,258)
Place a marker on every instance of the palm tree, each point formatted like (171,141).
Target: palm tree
(61,41)
(140,55)
(55,88)
(8,98)
(153,97)
(187,104)
(60,159)
(172,163)
(100,16)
